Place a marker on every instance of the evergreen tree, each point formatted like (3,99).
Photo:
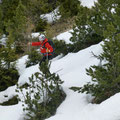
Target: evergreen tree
(8,8)
(69,8)
(16,26)
(8,73)
(101,15)
(8,54)
(35,8)
(61,44)
(43,95)
(84,34)
(1,22)
(91,23)
(34,58)
(106,77)
(27,9)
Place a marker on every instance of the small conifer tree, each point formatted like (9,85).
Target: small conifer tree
(84,34)
(106,77)
(16,26)
(8,73)
(69,8)
(8,54)
(1,22)
(43,95)
(34,58)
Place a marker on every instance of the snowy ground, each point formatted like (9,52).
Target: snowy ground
(88,3)
(65,36)
(52,16)
(76,106)
(3,40)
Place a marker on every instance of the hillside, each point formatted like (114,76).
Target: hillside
(91,63)
(76,106)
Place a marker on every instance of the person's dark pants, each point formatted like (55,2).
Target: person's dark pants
(49,57)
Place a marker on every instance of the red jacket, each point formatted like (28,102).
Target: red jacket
(44,46)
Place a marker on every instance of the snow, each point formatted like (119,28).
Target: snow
(88,3)
(24,78)
(34,35)
(21,64)
(113,10)
(11,112)
(76,106)
(3,40)
(52,16)
(65,36)
(72,70)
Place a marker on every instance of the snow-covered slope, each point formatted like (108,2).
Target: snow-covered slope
(72,70)
(76,106)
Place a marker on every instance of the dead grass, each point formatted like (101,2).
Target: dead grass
(60,26)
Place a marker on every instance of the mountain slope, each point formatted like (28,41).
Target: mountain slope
(76,106)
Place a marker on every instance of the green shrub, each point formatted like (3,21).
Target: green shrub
(60,47)
(84,34)
(44,94)
(105,76)
(8,77)
(33,58)
(11,101)
(41,25)
(19,49)
(69,8)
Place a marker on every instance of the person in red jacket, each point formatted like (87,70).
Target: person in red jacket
(45,48)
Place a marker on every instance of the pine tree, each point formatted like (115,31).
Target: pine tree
(1,22)
(8,8)
(69,8)
(84,34)
(8,54)
(35,8)
(101,15)
(33,58)
(8,73)
(106,77)
(43,95)
(91,23)
(16,26)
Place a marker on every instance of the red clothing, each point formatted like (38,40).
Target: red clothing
(43,46)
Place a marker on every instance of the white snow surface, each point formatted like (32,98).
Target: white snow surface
(76,106)
(65,36)
(88,3)
(3,40)
(34,35)
(52,16)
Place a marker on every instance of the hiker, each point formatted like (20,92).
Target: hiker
(45,48)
